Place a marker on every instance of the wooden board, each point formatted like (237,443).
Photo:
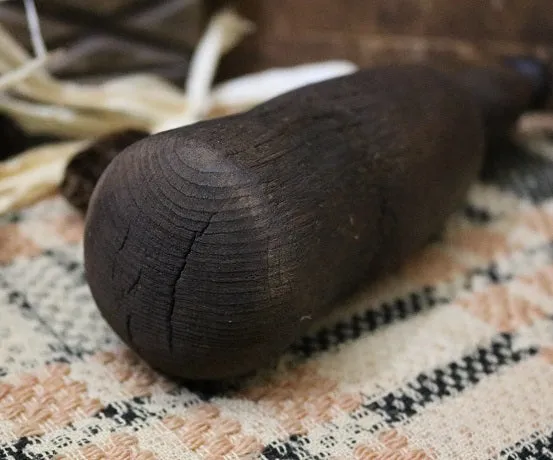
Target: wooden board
(371,31)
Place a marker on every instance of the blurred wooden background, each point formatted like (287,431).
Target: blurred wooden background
(370,31)
(113,37)
(105,37)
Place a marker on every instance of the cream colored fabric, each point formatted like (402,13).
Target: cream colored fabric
(452,358)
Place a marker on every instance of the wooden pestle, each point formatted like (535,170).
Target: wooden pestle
(210,248)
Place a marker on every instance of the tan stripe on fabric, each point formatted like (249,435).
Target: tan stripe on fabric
(547,354)
(119,446)
(302,399)
(390,445)
(119,375)
(345,431)
(521,302)
(13,243)
(45,401)
(52,223)
(207,432)
(538,287)
(135,376)
(502,308)
(539,219)
(163,442)
(484,244)
(70,228)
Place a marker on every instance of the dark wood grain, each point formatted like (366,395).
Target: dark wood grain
(210,248)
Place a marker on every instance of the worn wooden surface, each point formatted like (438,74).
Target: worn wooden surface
(212,258)
(377,31)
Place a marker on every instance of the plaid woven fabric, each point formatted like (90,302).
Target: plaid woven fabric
(452,358)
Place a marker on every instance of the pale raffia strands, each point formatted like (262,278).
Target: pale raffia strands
(451,358)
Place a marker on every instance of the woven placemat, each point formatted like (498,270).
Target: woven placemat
(452,358)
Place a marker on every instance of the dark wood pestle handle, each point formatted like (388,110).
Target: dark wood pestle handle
(209,249)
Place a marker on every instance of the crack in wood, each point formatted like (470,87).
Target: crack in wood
(195,237)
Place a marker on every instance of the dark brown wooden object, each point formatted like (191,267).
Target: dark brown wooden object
(209,249)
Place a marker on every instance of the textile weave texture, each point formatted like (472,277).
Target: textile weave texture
(450,358)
